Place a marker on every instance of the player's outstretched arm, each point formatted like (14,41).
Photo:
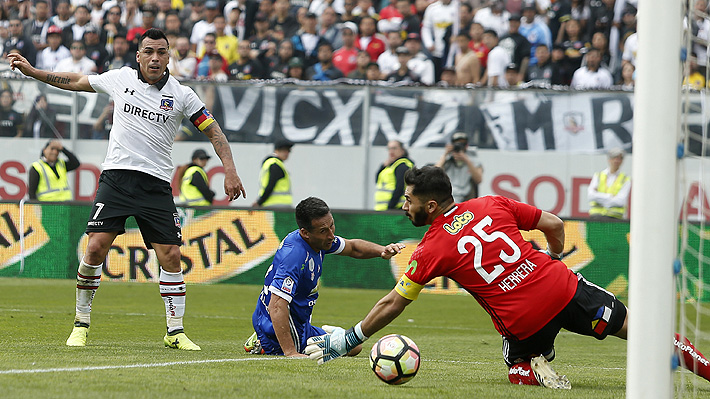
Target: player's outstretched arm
(63,80)
(362,249)
(554,229)
(233,186)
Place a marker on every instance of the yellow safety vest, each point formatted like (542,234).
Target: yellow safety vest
(51,187)
(281,195)
(616,211)
(189,194)
(386,183)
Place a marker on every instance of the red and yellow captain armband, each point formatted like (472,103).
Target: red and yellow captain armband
(202,119)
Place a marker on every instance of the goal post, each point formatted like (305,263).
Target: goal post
(653,203)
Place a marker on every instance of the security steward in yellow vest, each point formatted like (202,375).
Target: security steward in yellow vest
(274,180)
(389,193)
(609,190)
(194,185)
(47,178)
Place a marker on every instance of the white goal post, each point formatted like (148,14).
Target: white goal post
(653,203)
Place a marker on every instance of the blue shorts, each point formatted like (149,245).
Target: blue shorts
(271,346)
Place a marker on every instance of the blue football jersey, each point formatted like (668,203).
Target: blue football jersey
(294,275)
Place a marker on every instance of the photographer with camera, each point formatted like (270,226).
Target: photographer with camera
(462,166)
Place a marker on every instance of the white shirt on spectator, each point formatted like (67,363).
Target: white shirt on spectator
(48,59)
(583,78)
(422,67)
(498,23)
(631,46)
(498,60)
(199,31)
(438,18)
(388,62)
(85,66)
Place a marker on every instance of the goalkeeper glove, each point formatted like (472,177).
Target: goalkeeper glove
(337,343)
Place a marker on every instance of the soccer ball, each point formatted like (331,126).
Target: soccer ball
(395,359)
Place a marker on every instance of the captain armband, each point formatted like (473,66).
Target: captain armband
(408,288)
(202,119)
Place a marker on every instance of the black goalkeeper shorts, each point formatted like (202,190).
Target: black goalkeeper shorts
(124,193)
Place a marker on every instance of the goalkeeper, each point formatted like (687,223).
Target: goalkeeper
(283,312)
(530,295)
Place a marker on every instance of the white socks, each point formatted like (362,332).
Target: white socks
(88,279)
(172,289)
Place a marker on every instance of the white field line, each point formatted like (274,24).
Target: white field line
(189,362)
(137,366)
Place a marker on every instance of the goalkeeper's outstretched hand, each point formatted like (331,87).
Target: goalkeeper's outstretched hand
(336,343)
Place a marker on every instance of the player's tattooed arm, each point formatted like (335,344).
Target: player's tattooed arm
(233,186)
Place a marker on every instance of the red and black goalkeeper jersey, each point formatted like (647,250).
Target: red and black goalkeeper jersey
(478,244)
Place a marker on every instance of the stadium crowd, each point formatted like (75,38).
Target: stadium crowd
(585,44)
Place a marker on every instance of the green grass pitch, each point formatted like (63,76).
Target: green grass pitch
(125,357)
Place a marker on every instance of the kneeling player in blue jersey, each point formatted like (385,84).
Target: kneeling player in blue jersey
(283,312)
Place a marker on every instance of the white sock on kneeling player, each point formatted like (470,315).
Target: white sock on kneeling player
(172,289)
(88,278)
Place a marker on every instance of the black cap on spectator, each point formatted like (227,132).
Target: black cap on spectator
(260,17)
(514,17)
(413,36)
(200,154)
(311,15)
(295,62)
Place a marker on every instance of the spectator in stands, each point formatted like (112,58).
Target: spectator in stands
(365,8)
(609,189)
(517,46)
(420,64)
(494,17)
(579,10)
(173,24)
(41,120)
(388,61)
(121,57)
(63,17)
(631,47)
(183,62)
(209,44)
(628,75)
(347,14)
(296,69)
(372,73)
(204,26)
(362,61)
(263,44)
(535,31)
(367,40)
(11,8)
(465,17)
(267,8)
(96,12)
(390,11)
(147,17)
(467,64)
(439,17)
(245,22)
(283,19)
(462,166)
(132,15)
(498,60)
(278,65)
(601,17)
(216,74)
(78,62)
(17,40)
(403,74)
(544,73)
(593,75)
(512,75)
(699,26)
(389,193)
(104,123)
(82,20)
(574,46)
(324,70)
(47,178)
(559,13)
(245,68)
(226,43)
(307,41)
(628,27)
(11,121)
(476,44)
(345,58)
(328,28)
(95,50)
(164,7)
(48,58)
(557,57)
(601,43)
(36,27)
(448,77)
(411,23)
(112,27)
(191,14)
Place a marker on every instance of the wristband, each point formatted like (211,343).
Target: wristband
(554,255)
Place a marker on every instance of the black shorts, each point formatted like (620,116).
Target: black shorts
(593,311)
(124,193)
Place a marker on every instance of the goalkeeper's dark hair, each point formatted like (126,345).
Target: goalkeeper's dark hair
(309,209)
(430,183)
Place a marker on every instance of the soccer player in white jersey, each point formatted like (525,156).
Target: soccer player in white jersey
(149,107)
